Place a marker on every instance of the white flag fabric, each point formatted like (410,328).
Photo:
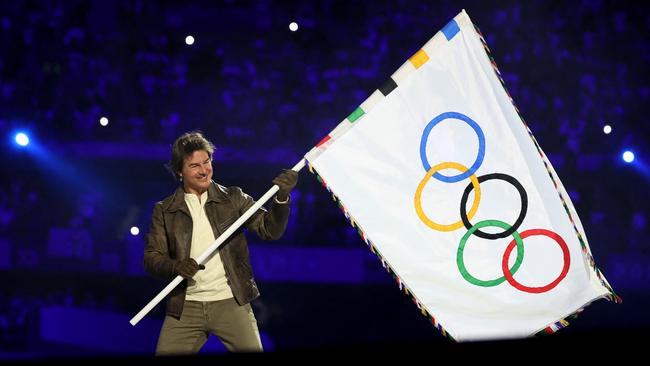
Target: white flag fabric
(449,188)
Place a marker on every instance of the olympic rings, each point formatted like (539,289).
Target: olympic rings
(423,183)
(481,146)
(461,249)
(536,290)
(522,214)
(508,273)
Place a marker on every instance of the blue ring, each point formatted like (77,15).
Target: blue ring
(481,146)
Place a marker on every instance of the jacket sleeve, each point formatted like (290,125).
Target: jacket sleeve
(157,261)
(268,225)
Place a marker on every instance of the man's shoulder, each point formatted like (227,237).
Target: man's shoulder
(169,200)
(228,192)
(166,201)
(217,191)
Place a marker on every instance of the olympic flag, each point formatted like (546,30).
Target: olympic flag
(448,186)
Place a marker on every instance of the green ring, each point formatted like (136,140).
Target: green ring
(461,249)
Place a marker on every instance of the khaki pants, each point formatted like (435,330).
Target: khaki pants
(234,325)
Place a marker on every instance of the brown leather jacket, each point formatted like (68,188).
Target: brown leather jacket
(170,237)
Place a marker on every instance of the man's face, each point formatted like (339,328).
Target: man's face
(197,172)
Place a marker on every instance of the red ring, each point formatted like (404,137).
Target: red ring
(537,290)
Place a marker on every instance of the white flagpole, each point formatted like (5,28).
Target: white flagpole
(222,238)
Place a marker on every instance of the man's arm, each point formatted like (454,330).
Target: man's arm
(270,225)
(157,261)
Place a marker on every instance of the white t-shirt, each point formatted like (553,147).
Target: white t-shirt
(209,284)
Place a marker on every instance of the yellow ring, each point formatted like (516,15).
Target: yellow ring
(418,197)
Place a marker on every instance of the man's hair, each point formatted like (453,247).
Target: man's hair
(185,146)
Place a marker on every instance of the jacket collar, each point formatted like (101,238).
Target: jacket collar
(177,200)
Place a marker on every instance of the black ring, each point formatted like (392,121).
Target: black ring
(522,214)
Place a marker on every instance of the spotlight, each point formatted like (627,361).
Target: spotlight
(189,40)
(135,231)
(628,156)
(103,121)
(607,129)
(293,26)
(22,139)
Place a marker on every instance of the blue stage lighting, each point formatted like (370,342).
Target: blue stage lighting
(22,139)
(628,156)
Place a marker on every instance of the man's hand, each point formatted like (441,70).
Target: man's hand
(187,268)
(286,181)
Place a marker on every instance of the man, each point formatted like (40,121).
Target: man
(214,297)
